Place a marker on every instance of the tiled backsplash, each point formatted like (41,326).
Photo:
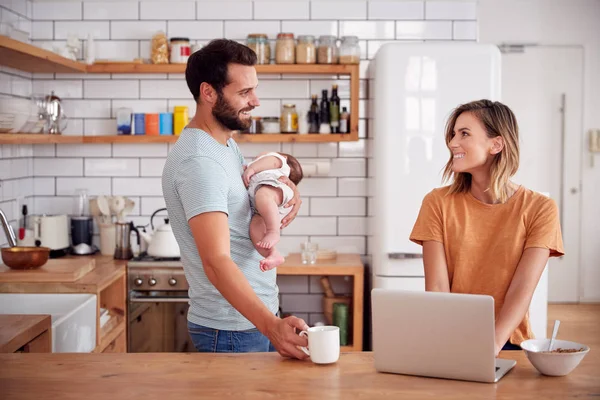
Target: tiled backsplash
(16,162)
(335,207)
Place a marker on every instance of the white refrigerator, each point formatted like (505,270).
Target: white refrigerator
(413,89)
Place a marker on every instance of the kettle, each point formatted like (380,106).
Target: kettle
(162,242)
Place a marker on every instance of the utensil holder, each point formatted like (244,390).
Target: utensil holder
(107,239)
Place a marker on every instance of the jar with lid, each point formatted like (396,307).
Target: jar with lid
(285,49)
(255,126)
(327,52)
(270,125)
(349,50)
(180,50)
(289,119)
(259,42)
(306,51)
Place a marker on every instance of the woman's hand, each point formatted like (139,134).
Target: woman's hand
(295,202)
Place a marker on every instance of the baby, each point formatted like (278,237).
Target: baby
(268,196)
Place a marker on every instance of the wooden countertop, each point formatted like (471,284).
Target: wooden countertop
(265,375)
(17,330)
(106,271)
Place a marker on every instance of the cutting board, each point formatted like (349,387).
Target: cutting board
(55,270)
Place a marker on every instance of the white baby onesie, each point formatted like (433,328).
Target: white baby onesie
(271,177)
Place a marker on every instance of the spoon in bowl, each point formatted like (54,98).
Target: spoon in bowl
(554,333)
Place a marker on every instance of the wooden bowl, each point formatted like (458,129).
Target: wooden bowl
(23,257)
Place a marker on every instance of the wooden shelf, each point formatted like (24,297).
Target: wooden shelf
(30,58)
(29,138)
(138,68)
(110,332)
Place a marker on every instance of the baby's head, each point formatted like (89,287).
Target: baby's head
(296,174)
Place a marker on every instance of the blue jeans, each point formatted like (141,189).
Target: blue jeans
(209,340)
(510,346)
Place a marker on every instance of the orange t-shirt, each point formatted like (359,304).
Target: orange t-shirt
(484,242)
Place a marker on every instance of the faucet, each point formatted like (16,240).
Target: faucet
(10,235)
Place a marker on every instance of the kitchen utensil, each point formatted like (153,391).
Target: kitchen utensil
(554,333)
(123,241)
(24,223)
(162,242)
(67,270)
(327,286)
(117,204)
(82,234)
(21,257)
(323,344)
(81,203)
(108,239)
(129,204)
(103,206)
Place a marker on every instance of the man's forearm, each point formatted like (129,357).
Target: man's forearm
(225,275)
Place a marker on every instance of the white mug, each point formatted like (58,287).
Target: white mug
(323,344)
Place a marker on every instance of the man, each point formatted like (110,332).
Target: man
(233,304)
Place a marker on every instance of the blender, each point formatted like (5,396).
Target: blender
(82,225)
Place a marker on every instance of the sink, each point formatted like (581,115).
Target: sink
(73,317)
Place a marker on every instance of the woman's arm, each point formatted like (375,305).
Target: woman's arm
(519,294)
(436,269)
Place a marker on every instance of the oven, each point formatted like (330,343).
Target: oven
(157,306)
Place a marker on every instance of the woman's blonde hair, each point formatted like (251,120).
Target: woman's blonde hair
(498,120)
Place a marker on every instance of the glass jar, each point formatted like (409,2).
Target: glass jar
(259,42)
(306,51)
(285,49)
(180,50)
(349,50)
(270,125)
(289,119)
(327,52)
(255,125)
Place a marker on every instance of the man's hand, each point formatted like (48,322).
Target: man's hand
(295,202)
(248,173)
(283,336)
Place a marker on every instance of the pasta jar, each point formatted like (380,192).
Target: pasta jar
(289,119)
(349,50)
(327,52)
(306,51)
(285,49)
(180,50)
(259,42)
(180,119)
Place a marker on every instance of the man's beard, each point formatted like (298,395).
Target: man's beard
(228,116)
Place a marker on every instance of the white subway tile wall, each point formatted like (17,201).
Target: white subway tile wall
(16,161)
(335,207)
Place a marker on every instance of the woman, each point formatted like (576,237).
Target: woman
(484,234)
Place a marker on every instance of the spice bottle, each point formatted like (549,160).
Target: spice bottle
(344,121)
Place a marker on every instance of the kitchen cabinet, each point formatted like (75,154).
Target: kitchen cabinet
(108,282)
(30,58)
(25,333)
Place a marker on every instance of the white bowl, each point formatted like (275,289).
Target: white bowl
(553,364)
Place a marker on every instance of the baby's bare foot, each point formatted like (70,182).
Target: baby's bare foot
(270,239)
(273,261)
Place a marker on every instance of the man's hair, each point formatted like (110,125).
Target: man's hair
(296,173)
(209,64)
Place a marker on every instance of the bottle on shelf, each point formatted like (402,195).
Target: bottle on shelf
(313,115)
(334,110)
(345,121)
(324,126)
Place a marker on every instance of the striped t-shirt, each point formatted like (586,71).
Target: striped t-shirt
(202,175)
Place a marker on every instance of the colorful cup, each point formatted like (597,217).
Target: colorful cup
(166,123)
(139,124)
(152,124)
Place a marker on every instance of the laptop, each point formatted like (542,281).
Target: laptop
(438,335)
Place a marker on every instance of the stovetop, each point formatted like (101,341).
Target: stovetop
(145,260)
